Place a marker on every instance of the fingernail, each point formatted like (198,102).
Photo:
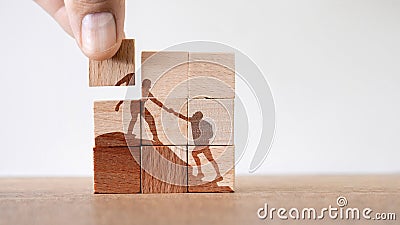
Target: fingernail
(99,32)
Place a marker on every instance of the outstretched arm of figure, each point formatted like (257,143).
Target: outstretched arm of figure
(96,25)
(181,116)
(157,102)
(170,110)
(126,79)
(118,105)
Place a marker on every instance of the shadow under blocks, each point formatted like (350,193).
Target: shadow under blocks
(179,136)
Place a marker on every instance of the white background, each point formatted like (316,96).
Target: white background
(333,67)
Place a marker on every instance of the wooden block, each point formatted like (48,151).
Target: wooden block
(211,75)
(165,73)
(211,169)
(114,128)
(164,169)
(117,70)
(116,170)
(211,122)
(161,127)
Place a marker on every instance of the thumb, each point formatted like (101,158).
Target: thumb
(97,25)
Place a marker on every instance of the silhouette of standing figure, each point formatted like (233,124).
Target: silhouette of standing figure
(136,105)
(202,132)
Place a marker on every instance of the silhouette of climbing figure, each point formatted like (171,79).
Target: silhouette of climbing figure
(136,105)
(202,132)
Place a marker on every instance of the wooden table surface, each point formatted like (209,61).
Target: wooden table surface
(70,201)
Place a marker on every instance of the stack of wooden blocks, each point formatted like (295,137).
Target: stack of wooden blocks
(179,136)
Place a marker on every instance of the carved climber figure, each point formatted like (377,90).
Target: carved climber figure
(202,132)
(136,105)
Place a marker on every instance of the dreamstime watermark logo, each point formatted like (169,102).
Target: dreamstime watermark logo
(339,212)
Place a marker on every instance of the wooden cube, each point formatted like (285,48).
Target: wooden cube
(116,170)
(211,75)
(187,104)
(117,123)
(117,70)
(160,127)
(211,122)
(164,169)
(211,169)
(165,73)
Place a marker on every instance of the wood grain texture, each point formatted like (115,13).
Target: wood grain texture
(49,201)
(168,73)
(116,170)
(217,124)
(117,128)
(211,168)
(110,71)
(211,75)
(164,169)
(162,126)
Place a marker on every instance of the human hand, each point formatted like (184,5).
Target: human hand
(96,25)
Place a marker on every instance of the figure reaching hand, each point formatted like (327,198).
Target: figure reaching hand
(96,25)
(137,105)
(202,132)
